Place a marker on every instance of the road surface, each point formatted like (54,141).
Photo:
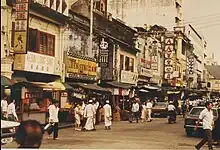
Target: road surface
(157,134)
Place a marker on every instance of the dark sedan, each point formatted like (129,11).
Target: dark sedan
(192,117)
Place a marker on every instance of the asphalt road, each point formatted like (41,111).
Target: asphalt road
(157,134)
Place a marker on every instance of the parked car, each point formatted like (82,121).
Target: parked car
(7,127)
(192,117)
(160,109)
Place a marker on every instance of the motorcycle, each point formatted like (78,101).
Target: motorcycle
(171,117)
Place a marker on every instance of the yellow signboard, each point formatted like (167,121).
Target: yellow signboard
(81,66)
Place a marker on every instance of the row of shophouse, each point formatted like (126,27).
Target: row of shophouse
(55,60)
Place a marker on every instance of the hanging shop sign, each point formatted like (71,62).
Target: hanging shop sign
(34,62)
(154,57)
(80,66)
(145,63)
(190,64)
(103,53)
(106,51)
(168,58)
(21,26)
(129,77)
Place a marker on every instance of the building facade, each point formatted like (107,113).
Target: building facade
(199,74)
(167,13)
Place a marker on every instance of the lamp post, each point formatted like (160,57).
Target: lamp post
(91,28)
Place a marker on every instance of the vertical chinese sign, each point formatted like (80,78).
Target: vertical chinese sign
(168,58)
(154,57)
(106,59)
(21,26)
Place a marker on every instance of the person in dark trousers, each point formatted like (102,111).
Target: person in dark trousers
(206,116)
(29,134)
(53,119)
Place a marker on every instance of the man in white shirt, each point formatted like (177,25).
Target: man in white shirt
(172,111)
(149,110)
(135,110)
(53,119)
(108,115)
(4,107)
(12,116)
(89,114)
(206,116)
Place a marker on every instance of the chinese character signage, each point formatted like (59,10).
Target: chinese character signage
(106,58)
(190,64)
(21,26)
(154,58)
(103,53)
(168,58)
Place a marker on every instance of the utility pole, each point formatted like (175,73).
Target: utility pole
(91,29)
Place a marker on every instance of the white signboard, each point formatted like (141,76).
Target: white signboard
(39,63)
(129,77)
(34,62)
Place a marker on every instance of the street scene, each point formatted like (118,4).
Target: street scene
(157,134)
(110,74)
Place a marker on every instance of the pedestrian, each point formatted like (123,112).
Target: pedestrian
(78,114)
(144,112)
(29,134)
(4,108)
(149,110)
(135,110)
(12,116)
(206,116)
(53,119)
(108,115)
(89,114)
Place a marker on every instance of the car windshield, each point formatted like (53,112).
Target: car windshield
(196,111)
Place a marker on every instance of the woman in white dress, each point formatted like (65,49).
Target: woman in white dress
(77,117)
(144,112)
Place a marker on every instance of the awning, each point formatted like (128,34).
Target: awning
(5,81)
(120,85)
(61,86)
(143,90)
(17,79)
(90,86)
(149,87)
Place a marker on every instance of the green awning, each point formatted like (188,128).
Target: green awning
(5,81)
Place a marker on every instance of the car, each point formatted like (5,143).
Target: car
(192,117)
(160,109)
(6,128)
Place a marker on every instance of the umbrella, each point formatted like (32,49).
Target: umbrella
(6,81)
(142,90)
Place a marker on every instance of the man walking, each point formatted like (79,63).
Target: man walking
(4,108)
(149,110)
(108,115)
(53,119)
(206,116)
(135,110)
(89,115)
(12,116)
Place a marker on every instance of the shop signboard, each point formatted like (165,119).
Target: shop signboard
(168,58)
(154,57)
(145,72)
(106,58)
(21,26)
(129,77)
(34,62)
(80,66)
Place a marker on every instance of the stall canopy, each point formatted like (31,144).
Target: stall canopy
(143,90)
(149,87)
(5,81)
(53,85)
(120,85)
(90,87)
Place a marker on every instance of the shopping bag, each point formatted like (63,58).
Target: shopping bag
(49,128)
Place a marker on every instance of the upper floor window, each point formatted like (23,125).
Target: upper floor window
(129,64)
(121,62)
(41,42)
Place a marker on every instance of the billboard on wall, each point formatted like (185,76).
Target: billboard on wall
(168,58)
(106,58)
(21,26)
